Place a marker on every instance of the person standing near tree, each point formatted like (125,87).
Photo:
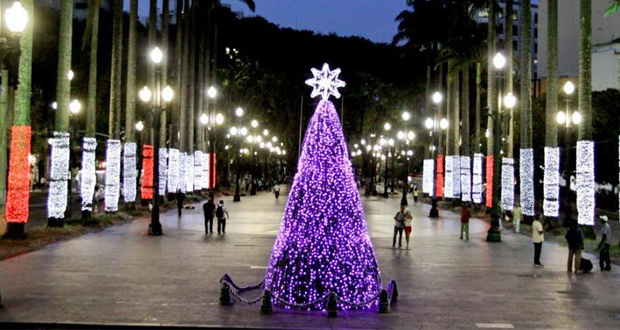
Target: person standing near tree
(465,216)
(574,238)
(605,244)
(222,214)
(516,218)
(415,194)
(399,226)
(209,211)
(538,237)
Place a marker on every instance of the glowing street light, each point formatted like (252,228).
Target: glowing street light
(254,123)
(499,61)
(239,112)
(569,88)
(75,106)
(139,126)
(156,55)
(437,98)
(145,94)
(443,124)
(212,92)
(510,100)
(16,18)
(204,119)
(406,116)
(219,119)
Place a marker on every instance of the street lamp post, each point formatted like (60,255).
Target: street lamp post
(387,127)
(431,125)
(159,99)
(212,94)
(566,119)
(406,137)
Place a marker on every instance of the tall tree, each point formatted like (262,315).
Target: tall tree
(478,120)
(526,155)
(92,34)
(585,70)
(191,78)
(508,20)
(63,84)
(183,127)
(491,91)
(551,132)
(130,105)
(152,67)
(117,63)
(165,43)
(178,64)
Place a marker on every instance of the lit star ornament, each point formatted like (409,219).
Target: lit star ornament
(325,83)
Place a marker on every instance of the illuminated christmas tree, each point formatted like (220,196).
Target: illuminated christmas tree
(323,243)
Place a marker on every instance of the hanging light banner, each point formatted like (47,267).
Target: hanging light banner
(146,192)
(489,191)
(205,171)
(130,174)
(198,170)
(213,180)
(439,181)
(173,170)
(456,176)
(585,183)
(476,191)
(112,175)
(526,174)
(465,178)
(508,183)
(59,176)
(449,177)
(163,164)
(189,173)
(88,176)
(551,205)
(182,185)
(427,176)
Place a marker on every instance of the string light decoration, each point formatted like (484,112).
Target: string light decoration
(508,190)
(323,243)
(189,173)
(130,174)
(206,182)
(489,172)
(427,176)
(476,190)
(147,172)
(449,183)
(465,178)
(213,182)
(173,170)
(112,175)
(456,176)
(439,180)
(526,175)
(182,159)
(585,183)
(18,194)
(551,182)
(163,162)
(59,176)
(198,180)
(89,177)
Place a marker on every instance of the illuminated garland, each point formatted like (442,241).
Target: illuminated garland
(526,175)
(508,183)
(489,172)
(585,183)
(173,171)
(147,172)
(456,176)
(439,181)
(198,184)
(112,175)
(476,191)
(465,178)
(427,176)
(130,174)
(206,183)
(18,194)
(163,159)
(88,177)
(449,177)
(182,185)
(213,182)
(189,173)
(551,204)
(323,243)
(59,176)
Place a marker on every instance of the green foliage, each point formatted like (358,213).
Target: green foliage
(612,9)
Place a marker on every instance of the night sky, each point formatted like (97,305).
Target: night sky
(372,19)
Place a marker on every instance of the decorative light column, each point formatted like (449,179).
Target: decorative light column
(568,121)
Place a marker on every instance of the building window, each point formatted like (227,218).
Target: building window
(483,13)
(501,27)
(515,30)
(81,5)
(536,18)
(514,46)
(536,48)
(536,33)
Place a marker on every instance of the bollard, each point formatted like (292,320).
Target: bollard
(384,304)
(332,305)
(266,306)
(394,292)
(225,295)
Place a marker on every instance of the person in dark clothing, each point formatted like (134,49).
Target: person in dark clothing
(209,211)
(399,226)
(574,238)
(605,244)
(222,214)
(180,198)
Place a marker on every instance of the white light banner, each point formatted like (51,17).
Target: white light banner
(59,176)
(448,190)
(112,175)
(476,190)
(526,168)
(182,185)
(508,180)
(88,178)
(189,173)
(465,178)
(198,184)
(130,173)
(456,176)
(206,179)
(551,182)
(173,171)
(163,164)
(427,176)
(585,183)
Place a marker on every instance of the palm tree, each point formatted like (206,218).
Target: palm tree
(525,74)
(509,69)
(585,71)
(551,133)
(178,65)
(183,95)
(165,43)
(129,154)
(613,9)
(191,78)
(115,77)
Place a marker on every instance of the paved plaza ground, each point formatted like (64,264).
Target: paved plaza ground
(122,276)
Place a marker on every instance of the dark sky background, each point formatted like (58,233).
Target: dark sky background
(371,19)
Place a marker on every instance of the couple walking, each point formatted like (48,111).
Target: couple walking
(402,222)
(220,212)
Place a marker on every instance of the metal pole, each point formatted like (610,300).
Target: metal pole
(568,207)
(434,212)
(494,233)
(155,225)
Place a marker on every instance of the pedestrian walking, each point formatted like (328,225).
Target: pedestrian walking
(538,237)
(209,211)
(180,198)
(399,226)
(574,238)
(408,221)
(415,194)
(276,190)
(516,218)
(242,185)
(605,244)
(465,216)
(222,214)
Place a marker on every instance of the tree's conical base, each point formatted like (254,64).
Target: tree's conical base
(15,230)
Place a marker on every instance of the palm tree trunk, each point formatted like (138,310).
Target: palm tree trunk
(526,154)
(428,96)
(200,80)
(115,77)
(465,162)
(4,139)
(165,43)
(491,103)
(184,80)
(509,73)
(477,137)
(178,64)
(551,133)
(191,77)
(130,105)
(585,71)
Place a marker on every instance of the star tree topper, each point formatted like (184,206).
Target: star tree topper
(325,83)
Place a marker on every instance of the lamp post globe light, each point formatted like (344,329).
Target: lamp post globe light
(16,18)
(405,138)
(433,126)
(568,121)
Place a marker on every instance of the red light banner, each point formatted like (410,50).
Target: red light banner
(439,184)
(19,175)
(146,192)
(489,194)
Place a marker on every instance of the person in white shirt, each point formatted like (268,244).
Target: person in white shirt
(221,213)
(605,244)
(276,190)
(538,237)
